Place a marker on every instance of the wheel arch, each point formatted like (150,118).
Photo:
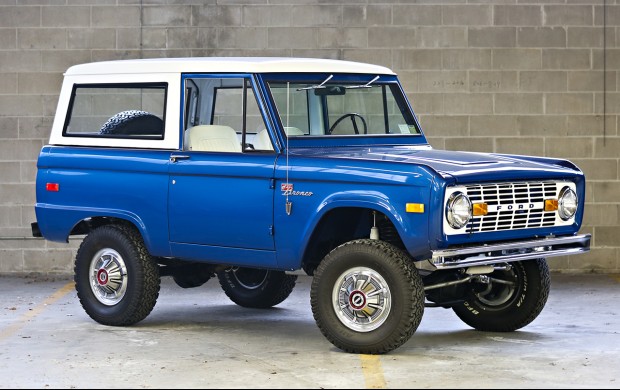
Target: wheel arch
(340,221)
(87,224)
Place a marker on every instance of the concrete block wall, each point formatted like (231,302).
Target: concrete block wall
(505,76)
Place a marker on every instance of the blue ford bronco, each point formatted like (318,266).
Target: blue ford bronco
(253,170)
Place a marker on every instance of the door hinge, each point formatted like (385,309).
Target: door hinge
(271,230)
(272,183)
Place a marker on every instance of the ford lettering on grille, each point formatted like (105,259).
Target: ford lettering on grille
(516,207)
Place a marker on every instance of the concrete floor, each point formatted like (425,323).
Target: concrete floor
(197,338)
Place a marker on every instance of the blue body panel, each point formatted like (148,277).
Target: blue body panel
(219,201)
(225,208)
(347,183)
(98,182)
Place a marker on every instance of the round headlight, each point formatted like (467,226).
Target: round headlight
(567,203)
(458,210)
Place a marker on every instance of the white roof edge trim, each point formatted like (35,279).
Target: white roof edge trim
(226,65)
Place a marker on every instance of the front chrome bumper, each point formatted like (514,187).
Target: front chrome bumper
(509,252)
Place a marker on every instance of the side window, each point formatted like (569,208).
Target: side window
(117,111)
(222,115)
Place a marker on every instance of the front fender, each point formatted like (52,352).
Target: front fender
(412,227)
(371,200)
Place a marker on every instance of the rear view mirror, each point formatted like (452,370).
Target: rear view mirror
(329,91)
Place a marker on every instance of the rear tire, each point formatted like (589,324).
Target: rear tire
(367,297)
(500,307)
(256,288)
(117,281)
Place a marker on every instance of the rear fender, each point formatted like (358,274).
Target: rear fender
(57,223)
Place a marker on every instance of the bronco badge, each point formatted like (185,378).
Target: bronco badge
(287,190)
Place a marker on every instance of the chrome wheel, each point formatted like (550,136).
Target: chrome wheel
(361,299)
(108,276)
(367,297)
(249,278)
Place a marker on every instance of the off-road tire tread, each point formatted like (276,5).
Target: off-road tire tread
(545,278)
(406,327)
(511,326)
(146,273)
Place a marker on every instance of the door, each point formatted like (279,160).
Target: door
(220,189)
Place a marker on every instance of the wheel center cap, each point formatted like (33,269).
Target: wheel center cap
(357,300)
(102,277)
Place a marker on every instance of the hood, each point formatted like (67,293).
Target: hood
(462,166)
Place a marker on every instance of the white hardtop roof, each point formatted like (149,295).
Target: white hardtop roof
(226,65)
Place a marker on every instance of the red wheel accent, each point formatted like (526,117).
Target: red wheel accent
(357,300)
(102,277)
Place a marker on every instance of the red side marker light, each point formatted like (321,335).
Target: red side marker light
(54,187)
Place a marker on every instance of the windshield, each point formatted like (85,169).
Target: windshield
(333,105)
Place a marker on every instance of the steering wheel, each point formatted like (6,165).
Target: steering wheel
(351,115)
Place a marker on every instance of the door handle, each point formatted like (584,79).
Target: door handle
(176,157)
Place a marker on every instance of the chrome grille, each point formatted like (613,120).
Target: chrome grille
(506,194)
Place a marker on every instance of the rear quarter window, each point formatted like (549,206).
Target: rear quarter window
(117,111)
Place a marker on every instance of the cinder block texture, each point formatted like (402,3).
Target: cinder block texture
(509,76)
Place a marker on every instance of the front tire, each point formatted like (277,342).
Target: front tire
(367,297)
(117,281)
(256,288)
(513,298)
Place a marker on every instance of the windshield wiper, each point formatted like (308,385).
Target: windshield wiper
(318,86)
(367,85)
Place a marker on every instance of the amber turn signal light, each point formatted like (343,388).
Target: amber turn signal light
(479,209)
(415,207)
(551,204)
